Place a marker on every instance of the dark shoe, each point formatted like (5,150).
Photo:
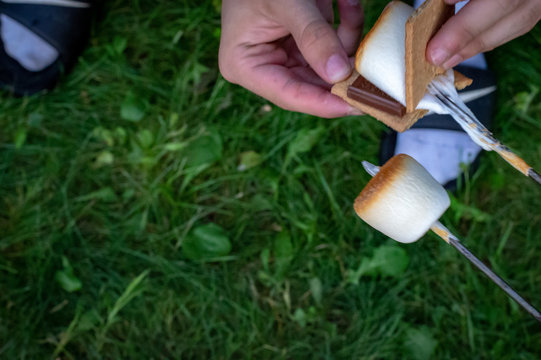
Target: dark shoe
(39,42)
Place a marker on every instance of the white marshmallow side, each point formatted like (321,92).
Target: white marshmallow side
(407,206)
(383,60)
(446,81)
(429,101)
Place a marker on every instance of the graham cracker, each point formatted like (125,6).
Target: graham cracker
(397,123)
(421,26)
(461,80)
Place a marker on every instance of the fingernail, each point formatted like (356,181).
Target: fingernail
(438,56)
(452,62)
(337,68)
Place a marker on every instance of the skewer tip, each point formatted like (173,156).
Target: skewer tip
(534,175)
(370,168)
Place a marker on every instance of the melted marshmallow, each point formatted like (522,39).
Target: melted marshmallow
(445,83)
(383,52)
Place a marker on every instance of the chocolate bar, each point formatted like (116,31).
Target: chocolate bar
(367,93)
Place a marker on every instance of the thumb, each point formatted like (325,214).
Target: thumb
(317,41)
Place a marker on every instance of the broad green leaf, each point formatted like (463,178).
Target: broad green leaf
(283,249)
(104,135)
(145,138)
(173,119)
(304,318)
(265,278)
(303,142)
(117,46)
(300,317)
(523,100)
(302,169)
(89,320)
(197,71)
(206,242)
(128,193)
(132,108)
(204,150)
(499,349)
(249,159)
(120,44)
(388,260)
(265,256)
(260,203)
(20,138)
(105,194)
(174,146)
(316,289)
(283,253)
(105,158)
(66,278)
(35,119)
(420,343)
(120,135)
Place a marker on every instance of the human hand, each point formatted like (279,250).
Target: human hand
(480,26)
(287,51)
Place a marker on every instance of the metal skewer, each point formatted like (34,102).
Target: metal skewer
(534,175)
(451,239)
(467,120)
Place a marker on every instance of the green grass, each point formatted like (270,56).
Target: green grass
(118,199)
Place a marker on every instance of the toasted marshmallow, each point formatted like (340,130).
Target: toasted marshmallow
(402,200)
(381,56)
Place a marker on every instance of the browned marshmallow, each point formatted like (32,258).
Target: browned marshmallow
(402,200)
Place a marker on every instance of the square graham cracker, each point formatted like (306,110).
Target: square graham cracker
(397,123)
(421,26)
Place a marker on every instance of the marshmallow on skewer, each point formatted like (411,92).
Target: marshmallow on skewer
(386,190)
(403,200)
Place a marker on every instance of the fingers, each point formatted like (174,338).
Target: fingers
(481,25)
(296,89)
(289,91)
(463,27)
(292,72)
(507,29)
(326,9)
(351,24)
(294,56)
(317,41)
